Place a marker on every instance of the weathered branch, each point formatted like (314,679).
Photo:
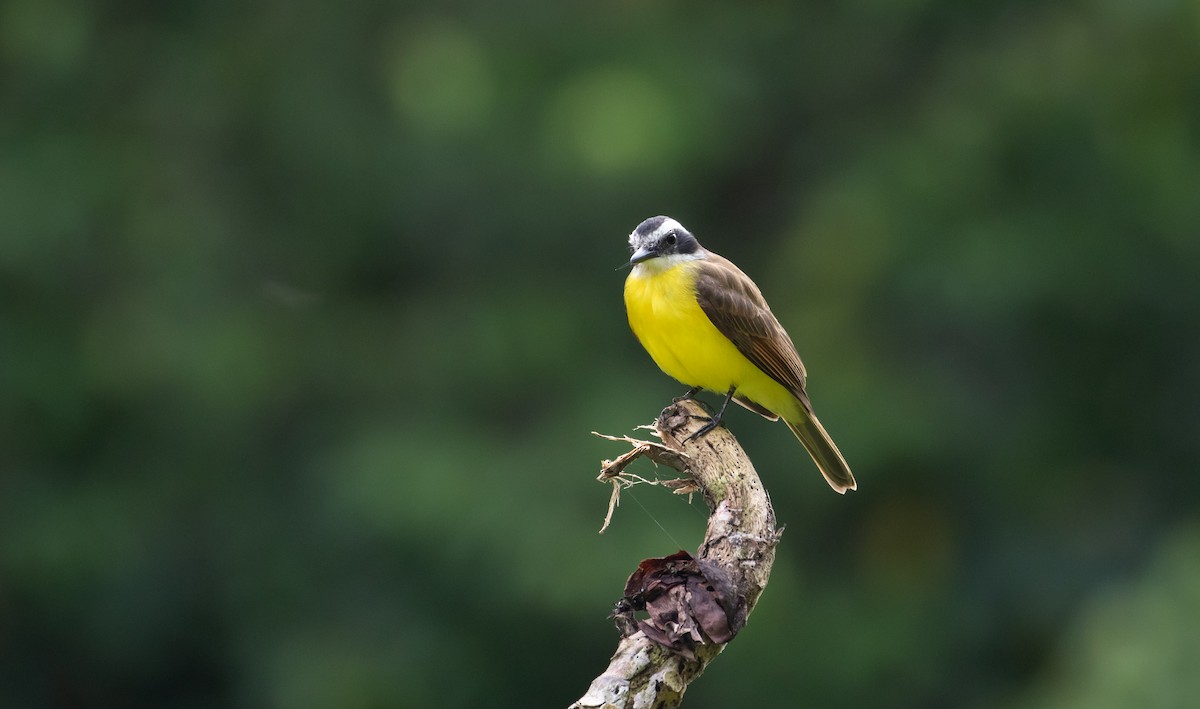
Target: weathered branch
(731,565)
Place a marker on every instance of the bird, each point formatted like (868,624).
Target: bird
(706,324)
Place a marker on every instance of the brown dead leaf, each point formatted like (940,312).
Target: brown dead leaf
(684,606)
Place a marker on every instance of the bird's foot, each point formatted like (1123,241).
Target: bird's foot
(690,395)
(715,420)
(705,429)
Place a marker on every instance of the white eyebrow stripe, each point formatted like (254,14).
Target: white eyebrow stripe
(637,239)
(667,227)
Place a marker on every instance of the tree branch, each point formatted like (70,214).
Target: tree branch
(732,565)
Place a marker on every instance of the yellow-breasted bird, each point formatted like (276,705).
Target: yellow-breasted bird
(705,323)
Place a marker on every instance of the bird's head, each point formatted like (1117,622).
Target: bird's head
(663,238)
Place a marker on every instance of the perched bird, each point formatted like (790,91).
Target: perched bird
(705,323)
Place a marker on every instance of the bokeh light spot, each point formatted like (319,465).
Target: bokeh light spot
(439,79)
(615,121)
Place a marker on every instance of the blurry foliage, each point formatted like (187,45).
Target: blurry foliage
(306,312)
(1130,647)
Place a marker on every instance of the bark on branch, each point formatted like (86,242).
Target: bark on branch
(734,562)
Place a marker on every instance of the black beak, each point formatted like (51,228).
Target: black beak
(643,254)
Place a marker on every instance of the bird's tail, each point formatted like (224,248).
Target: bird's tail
(824,453)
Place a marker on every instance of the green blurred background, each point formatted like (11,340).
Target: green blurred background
(307,310)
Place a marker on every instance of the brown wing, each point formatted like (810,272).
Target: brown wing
(736,307)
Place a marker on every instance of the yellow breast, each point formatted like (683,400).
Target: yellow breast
(663,313)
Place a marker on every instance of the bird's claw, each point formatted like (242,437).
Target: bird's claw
(703,430)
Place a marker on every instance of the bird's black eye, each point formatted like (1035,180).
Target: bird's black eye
(670,239)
